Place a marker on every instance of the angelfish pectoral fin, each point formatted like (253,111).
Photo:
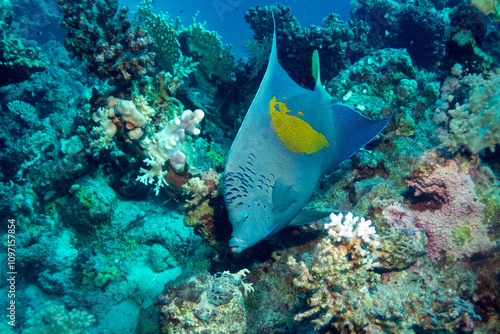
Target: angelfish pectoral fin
(283,196)
(308,216)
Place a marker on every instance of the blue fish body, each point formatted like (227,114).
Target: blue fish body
(290,137)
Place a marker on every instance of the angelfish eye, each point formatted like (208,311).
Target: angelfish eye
(246,217)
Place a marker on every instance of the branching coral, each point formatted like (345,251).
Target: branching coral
(25,110)
(166,40)
(207,47)
(135,118)
(345,294)
(339,281)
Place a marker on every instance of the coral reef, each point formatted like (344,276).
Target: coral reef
(86,119)
(103,37)
(474,122)
(164,146)
(17,59)
(206,303)
(340,282)
(90,206)
(54,318)
(450,212)
(296,44)
(339,274)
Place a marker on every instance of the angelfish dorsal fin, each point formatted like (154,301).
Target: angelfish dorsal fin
(283,196)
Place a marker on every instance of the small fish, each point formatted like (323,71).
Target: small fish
(292,136)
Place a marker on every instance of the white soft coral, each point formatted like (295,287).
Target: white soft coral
(165,145)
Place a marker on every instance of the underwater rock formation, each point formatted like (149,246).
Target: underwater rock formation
(205,303)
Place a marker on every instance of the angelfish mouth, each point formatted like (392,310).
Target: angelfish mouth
(237,245)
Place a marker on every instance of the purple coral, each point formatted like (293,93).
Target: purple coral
(449,210)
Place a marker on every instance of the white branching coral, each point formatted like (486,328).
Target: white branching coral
(349,228)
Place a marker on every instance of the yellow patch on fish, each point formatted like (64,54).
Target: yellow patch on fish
(297,135)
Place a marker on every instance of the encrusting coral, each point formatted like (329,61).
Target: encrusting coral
(449,208)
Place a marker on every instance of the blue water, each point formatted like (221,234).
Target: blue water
(227,16)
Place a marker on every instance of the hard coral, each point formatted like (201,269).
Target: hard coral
(111,48)
(206,304)
(17,62)
(54,318)
(476,123)
(339,281)
(206,47)
(296,44)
